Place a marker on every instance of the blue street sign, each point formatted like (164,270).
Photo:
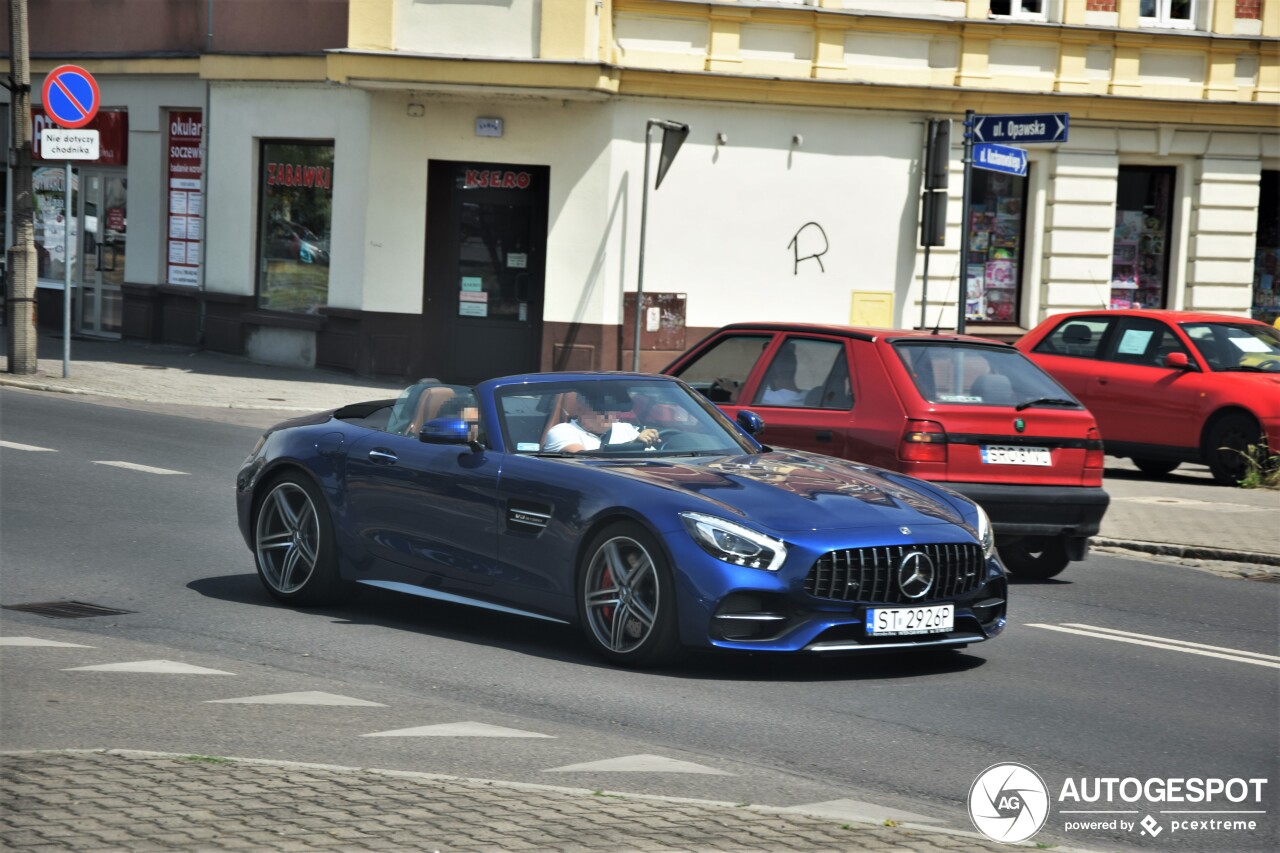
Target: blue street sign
(1000,158)
(1021,129)
(70,96)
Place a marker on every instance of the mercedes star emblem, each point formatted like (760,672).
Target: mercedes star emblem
(915,575)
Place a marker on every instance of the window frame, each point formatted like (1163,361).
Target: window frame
(1049,12)
(1162,17)
(263,224)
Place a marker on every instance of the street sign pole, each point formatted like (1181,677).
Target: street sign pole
(964,220)
(66,272)
(71,98)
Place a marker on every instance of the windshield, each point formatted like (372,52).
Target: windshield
(979,375)
(1236,346)
(612,416)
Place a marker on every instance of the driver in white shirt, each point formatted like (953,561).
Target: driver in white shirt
(591,428)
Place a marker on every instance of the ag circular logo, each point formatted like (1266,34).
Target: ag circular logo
(1008,803)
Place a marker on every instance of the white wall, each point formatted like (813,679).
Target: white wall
(492,28)
(243,114)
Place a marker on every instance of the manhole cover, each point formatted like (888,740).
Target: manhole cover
(67,609)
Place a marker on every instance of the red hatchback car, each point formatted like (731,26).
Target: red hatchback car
(1169,386)
(974,415)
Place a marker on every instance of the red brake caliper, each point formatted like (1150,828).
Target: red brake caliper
(606,581)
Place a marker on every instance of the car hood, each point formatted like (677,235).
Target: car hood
(790,490)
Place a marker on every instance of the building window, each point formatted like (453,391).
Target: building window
(296,199)
(1141,252)
(994,248)
(1034,9)
(1266,268)
(1168,13)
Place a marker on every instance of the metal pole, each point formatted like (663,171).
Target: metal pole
(924,290)
(964,221)
(644,217)
(67,213)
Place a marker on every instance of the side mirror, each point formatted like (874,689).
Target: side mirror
(1177,361)
(750,422)
(446,431)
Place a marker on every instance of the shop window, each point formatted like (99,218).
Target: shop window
(1266,267)
(296,201)
(50,221)
(994,249)
(1141,252)
(1168,13)
(1037,10)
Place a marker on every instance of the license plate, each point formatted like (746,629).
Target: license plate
(892,621)
(1004,454)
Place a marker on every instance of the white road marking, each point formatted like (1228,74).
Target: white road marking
(305,697)
(458,730)
(859,811)
(163,667)
(36,641)
(133,466)
(1163,643)
(639,764)
(13,445)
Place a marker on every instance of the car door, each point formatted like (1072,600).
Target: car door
(1073,354)
(431,507)
(719,368)
(1139,399)
(803,391)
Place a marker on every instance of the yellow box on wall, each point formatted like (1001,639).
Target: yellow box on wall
(872,308)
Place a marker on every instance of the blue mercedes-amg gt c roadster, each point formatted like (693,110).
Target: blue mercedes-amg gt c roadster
(625,503)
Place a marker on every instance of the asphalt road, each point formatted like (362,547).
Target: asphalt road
(874,735)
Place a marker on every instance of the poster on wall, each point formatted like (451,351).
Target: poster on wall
(186,203)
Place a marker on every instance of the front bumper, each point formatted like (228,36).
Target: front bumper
(1038,510)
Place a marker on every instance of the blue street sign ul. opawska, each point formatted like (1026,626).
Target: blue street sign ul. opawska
(1021,129)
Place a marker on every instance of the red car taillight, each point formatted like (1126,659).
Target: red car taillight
(924,441)
(1093,455)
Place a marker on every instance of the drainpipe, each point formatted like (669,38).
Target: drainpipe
(204,178)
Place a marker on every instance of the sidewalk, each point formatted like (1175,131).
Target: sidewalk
(81,800)
(1183,515)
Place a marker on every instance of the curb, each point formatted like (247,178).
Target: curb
(1190,552)
(61,389)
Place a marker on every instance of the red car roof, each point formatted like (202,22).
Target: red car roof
(866,332)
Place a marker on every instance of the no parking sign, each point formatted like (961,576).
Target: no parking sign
(70,96)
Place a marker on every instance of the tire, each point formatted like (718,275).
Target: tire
(294,543)
(1034,558)
(1226,447)
(627,599)
(1158,467)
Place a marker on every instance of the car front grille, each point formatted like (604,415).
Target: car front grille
(871,574)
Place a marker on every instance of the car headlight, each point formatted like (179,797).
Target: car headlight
(985,534)
(734,543)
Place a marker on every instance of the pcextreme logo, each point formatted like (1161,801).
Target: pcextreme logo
(1010,803)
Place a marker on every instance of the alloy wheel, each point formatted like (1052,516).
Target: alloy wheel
(288,538)
(623,594)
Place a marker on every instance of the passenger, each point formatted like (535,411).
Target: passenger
(592,427)
(780,387)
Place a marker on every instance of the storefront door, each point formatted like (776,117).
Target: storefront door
(103,220)
(486,257)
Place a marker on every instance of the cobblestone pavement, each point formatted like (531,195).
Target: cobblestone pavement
(137,802)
